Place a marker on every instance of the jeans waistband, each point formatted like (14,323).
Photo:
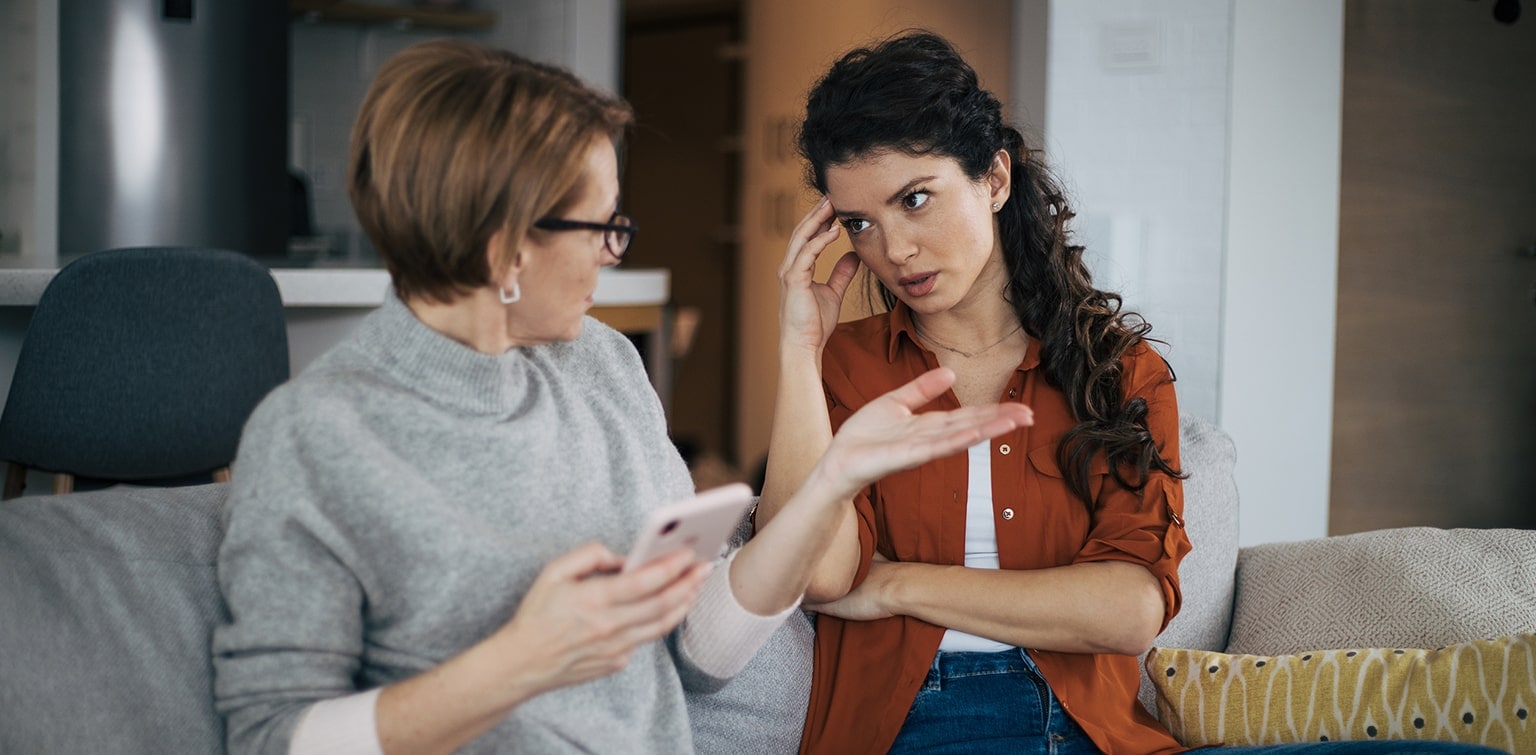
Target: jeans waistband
(954,665)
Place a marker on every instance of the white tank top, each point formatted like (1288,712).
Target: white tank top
(980,542)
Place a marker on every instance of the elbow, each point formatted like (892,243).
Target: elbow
(825,587)
(1132,644)
(1134,626)
(1128,639)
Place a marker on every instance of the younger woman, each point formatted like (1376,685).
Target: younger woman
(995,600)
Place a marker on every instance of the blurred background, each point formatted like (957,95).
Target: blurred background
(1326,208)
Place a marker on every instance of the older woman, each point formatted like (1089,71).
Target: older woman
(423,536)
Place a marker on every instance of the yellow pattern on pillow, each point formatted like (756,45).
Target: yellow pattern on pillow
(1481,692)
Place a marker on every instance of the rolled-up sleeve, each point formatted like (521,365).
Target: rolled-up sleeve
(1146,527)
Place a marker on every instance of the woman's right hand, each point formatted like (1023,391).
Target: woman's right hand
(891,433)
(808,311)
(582,618)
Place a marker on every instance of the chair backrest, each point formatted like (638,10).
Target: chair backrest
(144,363)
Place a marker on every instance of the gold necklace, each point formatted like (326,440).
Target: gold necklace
(966,354)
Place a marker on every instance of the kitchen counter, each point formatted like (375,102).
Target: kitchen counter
(365,287)
(323,305)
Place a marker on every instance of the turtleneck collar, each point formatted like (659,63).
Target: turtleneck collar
(446,371)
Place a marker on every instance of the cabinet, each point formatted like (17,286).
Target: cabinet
(399,16)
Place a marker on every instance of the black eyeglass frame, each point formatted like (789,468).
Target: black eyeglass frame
(612,232)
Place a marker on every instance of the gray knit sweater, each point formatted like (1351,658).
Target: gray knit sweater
(392,505)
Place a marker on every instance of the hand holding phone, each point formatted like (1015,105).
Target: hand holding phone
(703,524)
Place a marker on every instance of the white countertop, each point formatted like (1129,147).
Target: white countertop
(364,287)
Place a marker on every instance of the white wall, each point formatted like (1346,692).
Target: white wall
(1282,262)
(1199,140)
(1136,127)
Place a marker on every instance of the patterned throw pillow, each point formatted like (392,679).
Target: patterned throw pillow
(1480,692)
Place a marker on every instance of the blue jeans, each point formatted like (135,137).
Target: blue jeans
(999,703)
(988,702)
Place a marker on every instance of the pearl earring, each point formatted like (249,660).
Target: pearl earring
(996,206)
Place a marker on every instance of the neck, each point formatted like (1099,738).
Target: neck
(971,347)
(976,323)
(477,320)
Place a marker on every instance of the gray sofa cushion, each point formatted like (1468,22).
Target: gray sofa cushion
(1414,587)
(1210,517)
(107,602)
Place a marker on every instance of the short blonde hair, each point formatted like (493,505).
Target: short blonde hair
(455,142)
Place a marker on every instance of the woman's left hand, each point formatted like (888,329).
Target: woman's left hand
(868,601)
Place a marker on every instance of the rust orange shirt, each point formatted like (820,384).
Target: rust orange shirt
(868,672)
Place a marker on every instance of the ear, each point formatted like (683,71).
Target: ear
(1000,177)
(505,260)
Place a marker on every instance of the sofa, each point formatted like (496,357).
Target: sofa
(108,598)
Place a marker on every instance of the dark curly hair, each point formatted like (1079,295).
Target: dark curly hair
(915,94)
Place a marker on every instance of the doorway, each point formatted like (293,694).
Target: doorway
(682,75)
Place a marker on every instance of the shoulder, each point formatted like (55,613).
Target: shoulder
(598,347)
(858,346)
(858,363)
(316,407)
(869,336)
(601,358)
(1143,368)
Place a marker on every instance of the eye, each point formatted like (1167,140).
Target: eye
(915,199)
(855,225)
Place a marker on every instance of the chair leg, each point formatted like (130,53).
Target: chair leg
(63,482)
(15,480)
(222,474)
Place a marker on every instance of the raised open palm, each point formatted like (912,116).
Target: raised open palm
(888,435)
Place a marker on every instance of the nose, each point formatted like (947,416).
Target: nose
(899,249)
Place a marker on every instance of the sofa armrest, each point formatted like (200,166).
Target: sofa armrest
(109,599)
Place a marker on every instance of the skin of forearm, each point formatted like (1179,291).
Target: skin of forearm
(801,431)
(1100,607)
(801,434)
(775,568)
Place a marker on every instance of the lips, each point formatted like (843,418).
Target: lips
(918,285)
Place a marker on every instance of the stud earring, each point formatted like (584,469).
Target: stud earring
(996,206)
(511,297)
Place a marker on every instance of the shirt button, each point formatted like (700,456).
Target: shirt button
(1008,513)
(1004,449)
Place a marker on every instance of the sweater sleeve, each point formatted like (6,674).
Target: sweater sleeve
(294,631)
(720,636)
(339,726)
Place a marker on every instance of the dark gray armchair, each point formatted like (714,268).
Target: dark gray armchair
(142,365)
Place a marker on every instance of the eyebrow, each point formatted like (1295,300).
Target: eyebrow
(900,193)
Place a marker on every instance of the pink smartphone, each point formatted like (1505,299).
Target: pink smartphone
(702,524)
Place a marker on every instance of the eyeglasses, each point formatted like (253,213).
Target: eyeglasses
(617,232)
